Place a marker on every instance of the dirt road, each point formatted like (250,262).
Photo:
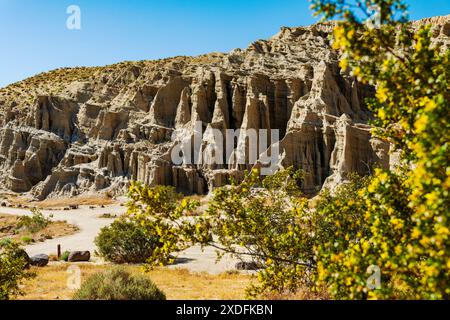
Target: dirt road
(89,222)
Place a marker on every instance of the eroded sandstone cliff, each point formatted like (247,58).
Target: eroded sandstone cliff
(73,131)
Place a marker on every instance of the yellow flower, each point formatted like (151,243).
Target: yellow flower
(343,64)
(383,177)
(351,33)
(430,106)
(371,188)
(415,233)
(335,258)
(431,271)
(365,245)
(397,223)
(425,241)
(348,281)
(419,45)
(421,123)
(442,231)
(432,198)
(382,94)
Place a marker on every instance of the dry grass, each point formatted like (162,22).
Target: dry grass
(51,283)
(62,202)
(56,229)
(300,295)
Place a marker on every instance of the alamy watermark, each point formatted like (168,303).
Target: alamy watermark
(73,22)
(74,278)
(229,147)
(374,281)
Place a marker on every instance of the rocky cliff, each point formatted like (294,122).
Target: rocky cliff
(80,130)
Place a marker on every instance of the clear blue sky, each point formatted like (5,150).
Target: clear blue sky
(34,36)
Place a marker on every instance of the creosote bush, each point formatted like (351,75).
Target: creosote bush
(118,284)
(126,241)
(13,265)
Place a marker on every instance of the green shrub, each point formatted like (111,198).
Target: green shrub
(35,222)
(26,240)
(5,242)
(65,256)
(118,284)
(13,262)
(125,242)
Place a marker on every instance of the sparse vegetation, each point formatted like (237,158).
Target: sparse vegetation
(34,223)
(29,230)
(118,284)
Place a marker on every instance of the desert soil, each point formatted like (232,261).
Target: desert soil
(9,230)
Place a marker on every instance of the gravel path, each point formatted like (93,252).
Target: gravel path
(89,223)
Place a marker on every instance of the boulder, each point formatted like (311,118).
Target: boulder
(79,256)
(247,265)
(40,260)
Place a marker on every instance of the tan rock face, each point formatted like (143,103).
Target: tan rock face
(75,131)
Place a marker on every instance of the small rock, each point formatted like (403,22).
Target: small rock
(91,207)
(3,204)
(73,206)
(40,260)
(79,256)
(244,265)
(66,209)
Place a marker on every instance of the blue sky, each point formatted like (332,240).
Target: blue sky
(35,38)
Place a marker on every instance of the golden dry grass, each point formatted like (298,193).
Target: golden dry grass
(51,283)
(300,295)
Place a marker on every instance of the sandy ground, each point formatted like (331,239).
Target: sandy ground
(89,223)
